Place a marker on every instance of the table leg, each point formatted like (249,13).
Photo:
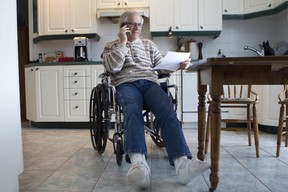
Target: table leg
(215,141)
(202,89)
(256,132)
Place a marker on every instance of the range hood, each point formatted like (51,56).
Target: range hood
(114,14)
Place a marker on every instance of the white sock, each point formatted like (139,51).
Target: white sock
(137,158)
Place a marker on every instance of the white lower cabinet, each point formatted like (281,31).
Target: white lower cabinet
(189,97)
(44,93)
(96,70)
(60,93)
(77,89)
(269,114)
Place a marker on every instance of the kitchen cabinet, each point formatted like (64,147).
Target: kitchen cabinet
(96,70)
(107,4)
(77,90)
(189,97)
(44,93)
(210,15)
(278,2)
(185,15)
(67,17)
(252,6)
(30,93)
(233,7)
(182,17)
(269,104)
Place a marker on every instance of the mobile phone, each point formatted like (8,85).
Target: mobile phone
(122,26)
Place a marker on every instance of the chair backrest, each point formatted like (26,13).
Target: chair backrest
(283,94)
(238,92)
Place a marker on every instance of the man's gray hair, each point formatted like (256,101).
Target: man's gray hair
(124,17)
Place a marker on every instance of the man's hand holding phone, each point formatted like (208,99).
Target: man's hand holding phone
(123,34)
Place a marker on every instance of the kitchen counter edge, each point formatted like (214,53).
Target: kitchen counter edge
(64,63)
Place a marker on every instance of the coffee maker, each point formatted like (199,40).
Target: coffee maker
(80,48)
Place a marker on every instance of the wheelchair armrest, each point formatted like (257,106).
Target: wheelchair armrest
(104,75)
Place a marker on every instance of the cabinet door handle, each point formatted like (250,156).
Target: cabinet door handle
(72,30)
(119,4)
(201,27)
(126,3)
(76,107)
(37,69)
(269,5)
(225,10)
(31,70)
(75,82)
(66,31)
(177,27)
(75,93)
(75,73)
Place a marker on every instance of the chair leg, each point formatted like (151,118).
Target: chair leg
(208,128)
(249,125)
(280,129)
(286,127)
(256,130)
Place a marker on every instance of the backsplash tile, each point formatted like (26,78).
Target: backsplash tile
(234,36)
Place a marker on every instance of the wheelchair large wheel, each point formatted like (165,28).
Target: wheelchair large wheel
(98,127)
(157,138)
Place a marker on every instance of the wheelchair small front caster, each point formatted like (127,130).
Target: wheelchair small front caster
(119,152)
(118,149)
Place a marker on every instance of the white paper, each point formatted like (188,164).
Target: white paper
(172,60)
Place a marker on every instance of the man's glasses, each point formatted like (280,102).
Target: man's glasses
(132,25)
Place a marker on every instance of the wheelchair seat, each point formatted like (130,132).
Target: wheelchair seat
(105,112)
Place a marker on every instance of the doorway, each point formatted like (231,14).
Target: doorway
(23,50)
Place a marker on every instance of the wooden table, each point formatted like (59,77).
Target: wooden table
(215,73)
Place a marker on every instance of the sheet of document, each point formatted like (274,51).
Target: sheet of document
(172,60)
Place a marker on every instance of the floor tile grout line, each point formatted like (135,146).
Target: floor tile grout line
(247,169)
(54,171)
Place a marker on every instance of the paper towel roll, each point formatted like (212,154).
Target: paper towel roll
(193,49)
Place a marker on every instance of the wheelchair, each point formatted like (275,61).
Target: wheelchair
(104,113)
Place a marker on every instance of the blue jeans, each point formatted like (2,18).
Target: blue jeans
(132,97)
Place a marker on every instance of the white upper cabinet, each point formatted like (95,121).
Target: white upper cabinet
(185,15)
(68,17)
(278,2)
(107,4)
(210,15)
(252,6)
(233,7)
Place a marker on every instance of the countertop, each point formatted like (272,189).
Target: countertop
(64,63)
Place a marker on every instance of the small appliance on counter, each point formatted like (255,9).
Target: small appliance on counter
(81,48)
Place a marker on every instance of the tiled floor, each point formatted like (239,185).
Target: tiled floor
(63,160)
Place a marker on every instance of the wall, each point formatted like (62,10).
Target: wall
(235,35)
(11,159)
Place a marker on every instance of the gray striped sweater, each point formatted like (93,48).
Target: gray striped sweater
(131,62)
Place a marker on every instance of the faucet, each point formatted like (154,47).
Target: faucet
(260,53)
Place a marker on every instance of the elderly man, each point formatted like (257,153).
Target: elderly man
(130,61)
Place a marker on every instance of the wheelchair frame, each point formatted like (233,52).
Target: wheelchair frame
(102,108)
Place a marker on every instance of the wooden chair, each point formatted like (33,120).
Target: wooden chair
(238,96)
(283,118)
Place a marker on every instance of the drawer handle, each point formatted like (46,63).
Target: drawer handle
(75,73)
(75,82)
(75,93)
(76,107)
